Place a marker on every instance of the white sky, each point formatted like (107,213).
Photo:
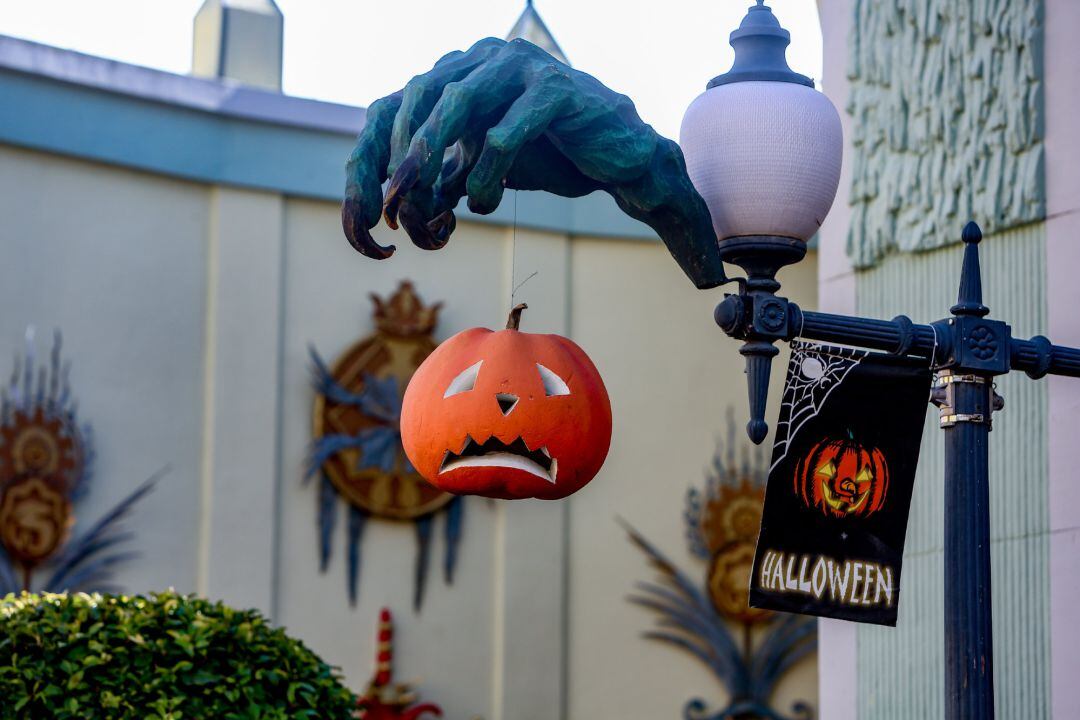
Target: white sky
(661,54)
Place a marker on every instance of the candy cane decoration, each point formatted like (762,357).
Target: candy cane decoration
(385,699)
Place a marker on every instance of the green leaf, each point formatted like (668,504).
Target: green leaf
(164,656)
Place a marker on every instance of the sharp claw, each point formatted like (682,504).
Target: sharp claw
(402,182)
(426,235)
(358,234)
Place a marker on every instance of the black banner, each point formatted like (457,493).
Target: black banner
(843,465)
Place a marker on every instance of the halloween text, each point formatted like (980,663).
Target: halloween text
(850,582)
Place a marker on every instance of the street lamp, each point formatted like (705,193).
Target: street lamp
(763,149)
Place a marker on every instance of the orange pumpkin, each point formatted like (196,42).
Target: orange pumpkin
(843,478)
(507,414)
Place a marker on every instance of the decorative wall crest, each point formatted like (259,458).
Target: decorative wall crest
(722,522)
(947,108)
(356,450)
(46,458)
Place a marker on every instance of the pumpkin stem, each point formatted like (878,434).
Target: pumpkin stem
(514,320)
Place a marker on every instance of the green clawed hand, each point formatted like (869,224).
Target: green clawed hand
(509,115)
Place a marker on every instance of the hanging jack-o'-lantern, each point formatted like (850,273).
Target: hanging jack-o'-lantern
(507,414)
(843,478)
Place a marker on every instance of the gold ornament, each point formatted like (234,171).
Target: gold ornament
(35,517)
(402,340)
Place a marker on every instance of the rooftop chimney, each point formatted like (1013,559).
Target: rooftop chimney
(240,40)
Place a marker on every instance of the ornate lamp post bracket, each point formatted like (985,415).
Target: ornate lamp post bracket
(967,350)
(969,344)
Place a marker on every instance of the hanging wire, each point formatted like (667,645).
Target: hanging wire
(513,255)
(514,285)
(534,274)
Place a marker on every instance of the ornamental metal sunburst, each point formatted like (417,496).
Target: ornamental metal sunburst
(722,521)
(46,458)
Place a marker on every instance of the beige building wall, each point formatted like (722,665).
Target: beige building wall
(672,376)
(187,310)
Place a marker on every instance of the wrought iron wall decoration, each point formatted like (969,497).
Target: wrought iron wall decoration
(46,458)
(385,699)
(356,449)
(722,523)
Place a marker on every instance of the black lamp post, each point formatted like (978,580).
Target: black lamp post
(966,351)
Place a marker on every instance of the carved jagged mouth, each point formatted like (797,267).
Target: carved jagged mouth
(496,453)
(841,504)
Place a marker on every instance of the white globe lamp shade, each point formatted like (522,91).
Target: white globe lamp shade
(762,146)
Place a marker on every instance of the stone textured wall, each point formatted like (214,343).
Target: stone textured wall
(947,108)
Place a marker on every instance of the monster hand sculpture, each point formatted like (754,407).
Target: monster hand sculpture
(509,115)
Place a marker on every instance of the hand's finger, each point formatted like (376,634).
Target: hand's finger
(664,199)
(468,102)
(459,162)
(426,234)
(527,118)
(405,178)
(365,173)
(428,214)
(450,188)
(423,91)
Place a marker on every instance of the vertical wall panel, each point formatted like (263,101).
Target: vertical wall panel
(901,670)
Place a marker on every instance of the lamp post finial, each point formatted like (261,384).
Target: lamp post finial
(760,50)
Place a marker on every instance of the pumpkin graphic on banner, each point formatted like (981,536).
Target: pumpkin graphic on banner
(507,414)
(840,484)
(842,477)
(356,448)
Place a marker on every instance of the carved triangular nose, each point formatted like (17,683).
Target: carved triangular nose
(507,402)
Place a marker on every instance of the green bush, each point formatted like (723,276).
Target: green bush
(163,657)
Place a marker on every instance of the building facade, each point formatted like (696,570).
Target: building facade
(957,111)
(183,232)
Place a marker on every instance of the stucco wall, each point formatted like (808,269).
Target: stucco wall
(116,260)
(187,309)
(672,376)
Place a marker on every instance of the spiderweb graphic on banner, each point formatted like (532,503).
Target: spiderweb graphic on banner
(813,373)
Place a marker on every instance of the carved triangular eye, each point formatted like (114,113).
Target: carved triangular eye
(828,470)
(465,381)
(553,384)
